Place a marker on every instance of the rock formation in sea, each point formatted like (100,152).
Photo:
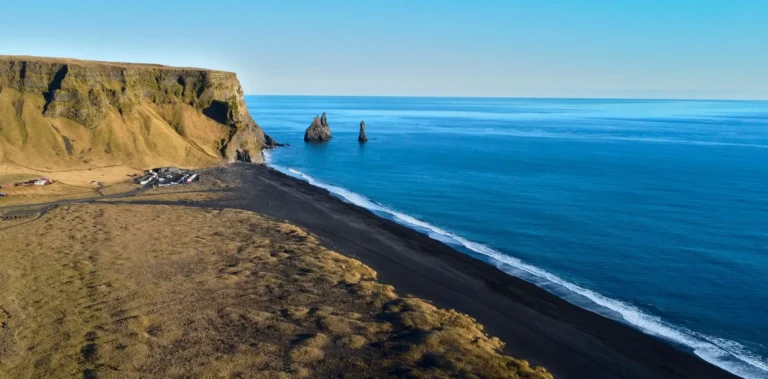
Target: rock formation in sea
(58,113)
(362,137)
(319,131)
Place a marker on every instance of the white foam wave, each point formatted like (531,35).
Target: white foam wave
(729,355)
(267,156)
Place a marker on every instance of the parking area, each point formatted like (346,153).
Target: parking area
(167,176)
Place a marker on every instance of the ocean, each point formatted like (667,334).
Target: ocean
(651,212)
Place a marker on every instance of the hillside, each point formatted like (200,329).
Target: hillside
(66,114)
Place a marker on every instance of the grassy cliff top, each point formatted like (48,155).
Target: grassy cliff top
(63,114)
(89,63)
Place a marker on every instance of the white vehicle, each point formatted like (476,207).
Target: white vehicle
(147,180)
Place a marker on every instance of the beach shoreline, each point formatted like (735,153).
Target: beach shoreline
(571,342)
(536,325)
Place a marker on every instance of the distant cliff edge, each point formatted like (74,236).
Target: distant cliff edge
(68,114)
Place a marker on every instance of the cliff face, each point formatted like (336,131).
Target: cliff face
(63,113)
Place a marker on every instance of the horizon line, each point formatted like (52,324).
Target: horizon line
(523,97)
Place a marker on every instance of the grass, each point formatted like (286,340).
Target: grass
(9,179)
(110,113)
(141,138)
(72,184)
(177,120)
(157,291)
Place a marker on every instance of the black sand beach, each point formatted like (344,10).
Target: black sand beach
(536,325)
(570,342)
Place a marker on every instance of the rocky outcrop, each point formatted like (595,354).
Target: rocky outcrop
(57,113)
(318,131)
(362,138)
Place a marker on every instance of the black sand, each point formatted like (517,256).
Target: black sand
(546,330)
(570,342)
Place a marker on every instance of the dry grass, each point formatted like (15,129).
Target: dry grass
(189,196)
(10,222)
(69,184)
(140,138)
(148,291)
(96,64)
(114,180)
(10,178)
(44,194)
(108,175)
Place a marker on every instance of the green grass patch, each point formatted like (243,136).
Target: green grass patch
(177,120)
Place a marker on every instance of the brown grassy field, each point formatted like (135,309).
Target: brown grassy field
(142,138)
(68,184)
(149,291)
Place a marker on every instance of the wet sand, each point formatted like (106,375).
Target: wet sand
(535,325)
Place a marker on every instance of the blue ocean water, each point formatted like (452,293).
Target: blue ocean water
(652,212)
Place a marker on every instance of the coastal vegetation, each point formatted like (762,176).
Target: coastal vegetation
(63,114)
(167,282)
(126,288)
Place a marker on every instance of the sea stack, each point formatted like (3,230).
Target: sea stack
(362,138)
(319,131)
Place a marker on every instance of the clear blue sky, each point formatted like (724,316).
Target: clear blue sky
(561,48)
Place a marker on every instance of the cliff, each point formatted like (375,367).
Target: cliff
(66,113)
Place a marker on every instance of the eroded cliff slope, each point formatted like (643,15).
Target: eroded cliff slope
(69,114)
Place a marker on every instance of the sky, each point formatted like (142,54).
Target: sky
(557,48)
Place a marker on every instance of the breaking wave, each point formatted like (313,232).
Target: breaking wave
(729,355)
